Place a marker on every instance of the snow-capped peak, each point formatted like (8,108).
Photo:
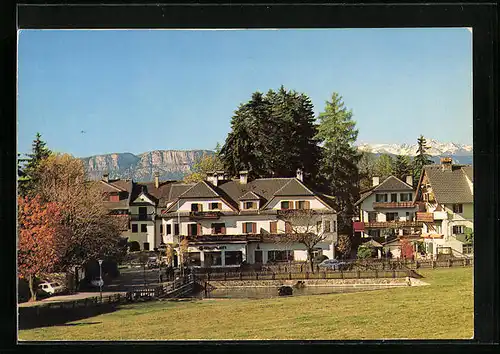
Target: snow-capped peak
(435,148)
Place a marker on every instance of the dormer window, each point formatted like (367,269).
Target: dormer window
(196,207)
(249,205)
(285,205)
(303,204)
(381,198)
(458,208)
(215,206)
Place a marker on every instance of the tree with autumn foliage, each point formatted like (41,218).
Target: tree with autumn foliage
(40,231)
(406,249)
(92,232)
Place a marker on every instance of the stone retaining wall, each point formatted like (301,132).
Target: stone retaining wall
(318,282)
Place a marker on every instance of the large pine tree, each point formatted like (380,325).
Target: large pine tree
(273,135)
(402,167)
(28,167)
(339,166)
(421,159)
(384,166)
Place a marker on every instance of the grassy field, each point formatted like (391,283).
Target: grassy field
(443,310)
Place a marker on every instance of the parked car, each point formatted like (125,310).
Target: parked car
(52,288)
(334,264)
(152,263)
(97,283)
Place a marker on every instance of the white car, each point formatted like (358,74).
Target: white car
(97,282)
(52,288)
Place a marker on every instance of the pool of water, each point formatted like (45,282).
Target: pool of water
(269,292)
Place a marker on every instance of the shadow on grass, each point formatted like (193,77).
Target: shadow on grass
(78,324)
(31,317)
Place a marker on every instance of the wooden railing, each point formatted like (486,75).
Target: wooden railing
(204,215)
(425,217)
(393,205)
(392,224)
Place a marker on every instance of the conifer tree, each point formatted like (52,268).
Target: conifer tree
(28,168)
(421,159)
(402,167)
(339,166)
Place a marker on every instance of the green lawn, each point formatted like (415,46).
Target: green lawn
(442,310)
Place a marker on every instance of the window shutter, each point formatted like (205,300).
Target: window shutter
(273,227)
(199,231)
(296,205)
(189,230)
(307,205)
(223,230)
(219,206)
(254,228)
(244,227)
(200,207)
(213,229)
(288,227)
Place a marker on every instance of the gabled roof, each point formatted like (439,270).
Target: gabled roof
(390,184)
(469,172)
(373,243)
(249,196)
(200,190)
(263,187)
(293,188)
(449,186)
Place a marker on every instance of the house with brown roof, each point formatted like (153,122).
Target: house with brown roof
(386,210)
(445,198)
(227,221)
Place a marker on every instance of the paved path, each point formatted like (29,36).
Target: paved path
(67,298)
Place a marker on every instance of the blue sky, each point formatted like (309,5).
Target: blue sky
(136,91)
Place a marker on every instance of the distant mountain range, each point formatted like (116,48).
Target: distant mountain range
(175,164)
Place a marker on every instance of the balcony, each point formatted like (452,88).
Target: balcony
(202,215)
(392,205)
(392,224)
(142,217)
(223,238)
(425,217)
(295,212)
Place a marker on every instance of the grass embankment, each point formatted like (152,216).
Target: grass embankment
(442,310)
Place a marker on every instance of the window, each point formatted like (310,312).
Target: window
(249,205)
(391,216)
(405,197)
(318,226)
(218,228)
(176,229)
(458,229)
(249,228)
(437,226)
(114,198)
(273,227)
(233,257)
(144,228)
(326,226)
(372,216)
(134,228)
(381,198)
(457,208)
(193,259)
(146,246)
(143,211)
(212,259)
(285,205)
(303,204)
(196,207)
(467,249)
(334,226)
(279,256)
(194,229)
(169,229)
(161,229)
(394,197)
(215,206)
(288,227)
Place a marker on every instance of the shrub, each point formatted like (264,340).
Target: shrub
(134,246)
(364,252)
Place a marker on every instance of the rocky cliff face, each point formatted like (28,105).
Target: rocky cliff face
(171,164)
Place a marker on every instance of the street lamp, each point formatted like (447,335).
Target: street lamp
(100,277)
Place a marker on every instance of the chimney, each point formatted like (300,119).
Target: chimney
(105,177)
(409,180)
(446,163)
(300,175)
(220,175)
(375,181)
(157,179)
(243,177)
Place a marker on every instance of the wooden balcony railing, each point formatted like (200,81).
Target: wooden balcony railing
(392,224)
(393,205)
(425,217)
(197,215)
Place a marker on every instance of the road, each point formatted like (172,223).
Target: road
(134,277)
